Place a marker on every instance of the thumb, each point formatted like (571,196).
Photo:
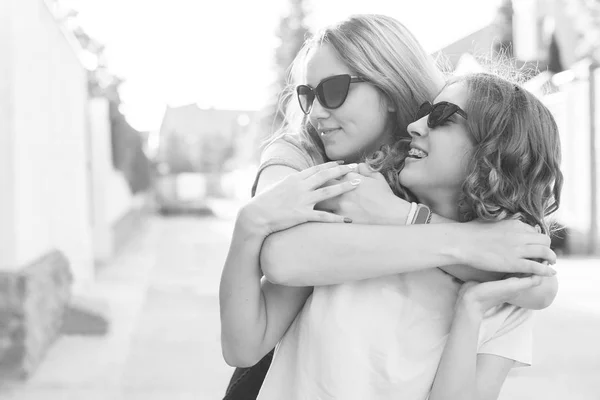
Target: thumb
(365,170)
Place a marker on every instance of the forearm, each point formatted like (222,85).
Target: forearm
(456,377)
(538,297)
(315,254)
(242,306)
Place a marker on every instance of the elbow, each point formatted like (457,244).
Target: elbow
(236,358)
(546,295)
(546,300)
(550,292)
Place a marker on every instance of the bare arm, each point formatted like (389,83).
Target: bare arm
(318,254)
(462,373)
(255,314)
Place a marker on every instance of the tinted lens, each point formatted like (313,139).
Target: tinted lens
(423,110)
(440,114)
(333,91)
(306,97)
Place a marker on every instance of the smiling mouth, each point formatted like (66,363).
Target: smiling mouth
(327,132)
(417,154)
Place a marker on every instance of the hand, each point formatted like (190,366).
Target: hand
(291,201)
(507,246)
(480,297)
(373,202)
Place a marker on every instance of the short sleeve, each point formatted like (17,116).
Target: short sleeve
(284,151)
(507,331)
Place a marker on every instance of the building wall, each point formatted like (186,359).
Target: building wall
(48,110)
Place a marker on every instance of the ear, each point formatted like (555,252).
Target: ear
(389,105)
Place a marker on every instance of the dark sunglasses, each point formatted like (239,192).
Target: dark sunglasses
(439,113)
(331,92)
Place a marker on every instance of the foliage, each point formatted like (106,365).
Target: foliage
(586,21)
(292,31)
(127,143)
(504,27)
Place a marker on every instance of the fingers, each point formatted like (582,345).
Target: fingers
(539,252)
(322,176)
(323,216)
(533,267)
(515,285)
(536,238)
(333,190)
(316,168)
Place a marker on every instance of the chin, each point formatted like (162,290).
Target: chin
(334,153)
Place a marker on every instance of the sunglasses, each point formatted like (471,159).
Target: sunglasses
(331,92)
(439,113)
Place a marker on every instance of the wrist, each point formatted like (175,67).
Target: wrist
(455,243)
(399,210)
(249,223)
(470,309)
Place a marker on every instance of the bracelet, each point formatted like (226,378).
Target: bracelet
(411,213)
(422,214)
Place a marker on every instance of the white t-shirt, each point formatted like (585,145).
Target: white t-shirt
(382,339)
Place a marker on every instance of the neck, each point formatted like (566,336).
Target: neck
(364,153)
(443,203)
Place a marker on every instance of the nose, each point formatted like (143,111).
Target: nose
(318,111)
(418,128)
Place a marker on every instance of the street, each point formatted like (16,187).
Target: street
(161,295)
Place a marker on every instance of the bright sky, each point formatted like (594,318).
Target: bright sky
(219,53)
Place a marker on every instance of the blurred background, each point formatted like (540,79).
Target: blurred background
(130,133)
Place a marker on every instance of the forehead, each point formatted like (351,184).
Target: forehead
(456,93)
(322,62)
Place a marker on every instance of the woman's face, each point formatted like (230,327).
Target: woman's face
(442,168)
(357,128)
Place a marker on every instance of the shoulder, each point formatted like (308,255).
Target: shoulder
(288,149)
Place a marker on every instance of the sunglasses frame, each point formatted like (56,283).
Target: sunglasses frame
(449,110)
(318,93)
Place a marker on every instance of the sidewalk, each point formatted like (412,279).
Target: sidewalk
(162,296)
(566,352)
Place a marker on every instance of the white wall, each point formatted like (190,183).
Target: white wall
(49,113)
(7,163)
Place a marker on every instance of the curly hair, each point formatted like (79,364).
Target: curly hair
(514,171)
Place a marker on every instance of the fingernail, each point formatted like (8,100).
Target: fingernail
(353,165)
(552,271)
(347,220)
(340,162)
(355,182)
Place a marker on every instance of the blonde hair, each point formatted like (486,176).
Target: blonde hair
(378,48)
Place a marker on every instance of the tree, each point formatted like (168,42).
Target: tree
(504,27)
(292,32)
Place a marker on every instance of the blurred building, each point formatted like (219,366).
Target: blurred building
(210,142)
(555,45)
(211,137)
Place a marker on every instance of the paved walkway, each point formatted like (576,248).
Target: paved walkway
(161,295)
